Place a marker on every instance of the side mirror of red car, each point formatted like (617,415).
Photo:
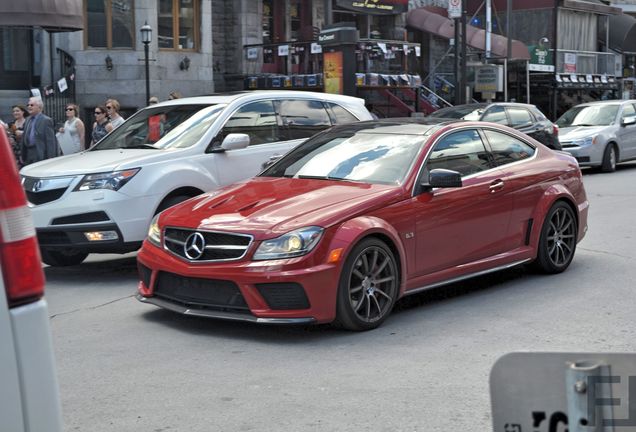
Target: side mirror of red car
(442,178)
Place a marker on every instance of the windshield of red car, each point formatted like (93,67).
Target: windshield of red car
(363,157)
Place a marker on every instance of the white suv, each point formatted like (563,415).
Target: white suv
(102,200)
(29,397)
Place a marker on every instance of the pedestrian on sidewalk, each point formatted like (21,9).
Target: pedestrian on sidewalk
(112,108)
(102,126)
(71,136)
(38,141)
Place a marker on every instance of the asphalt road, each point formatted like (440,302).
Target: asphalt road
(125,366)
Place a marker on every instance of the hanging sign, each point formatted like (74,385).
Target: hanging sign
(283,50)
(375,7)
(454,8)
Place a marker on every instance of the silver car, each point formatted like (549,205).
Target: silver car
(600,134)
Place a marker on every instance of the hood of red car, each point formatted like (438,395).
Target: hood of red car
(266,206)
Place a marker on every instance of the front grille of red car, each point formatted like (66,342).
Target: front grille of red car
(200,293)
(219,246)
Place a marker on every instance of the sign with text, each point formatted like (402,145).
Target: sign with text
(556,392)
(488,78)
(540,59)
(375,7)
(454,8)
(333,73)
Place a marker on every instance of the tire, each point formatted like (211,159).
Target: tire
(609,158)
(171,201)
(558,239)
(368,286)
(62,258)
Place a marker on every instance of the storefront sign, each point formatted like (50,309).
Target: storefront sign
(316,48)
(375,7)
(489,79)
(252,53)
(337,34)
(283,50)
(540,59)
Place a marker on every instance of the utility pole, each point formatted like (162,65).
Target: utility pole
(458,90)
(464,98)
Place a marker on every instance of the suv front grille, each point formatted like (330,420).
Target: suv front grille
(44,190)
(193,245)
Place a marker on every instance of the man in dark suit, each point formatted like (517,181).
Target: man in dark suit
(38,140)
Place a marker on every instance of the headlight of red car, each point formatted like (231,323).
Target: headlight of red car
(293,244)
(154,232)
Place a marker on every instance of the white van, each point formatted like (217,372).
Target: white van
(102,200)
(29,395)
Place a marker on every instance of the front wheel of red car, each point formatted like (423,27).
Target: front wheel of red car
(368,286)
(558,239)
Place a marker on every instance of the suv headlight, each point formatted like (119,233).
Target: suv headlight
(293,244)
(113,180)
(154,232)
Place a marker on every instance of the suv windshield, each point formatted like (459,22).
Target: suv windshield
(162,127)
(591,115)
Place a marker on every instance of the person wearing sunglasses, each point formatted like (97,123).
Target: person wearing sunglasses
(112,110)
(38,141)
(102,125)
(71,136)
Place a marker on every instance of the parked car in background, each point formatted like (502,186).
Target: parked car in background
(29,398)
(103,199)
(523,117)
(600,134)
(361,215)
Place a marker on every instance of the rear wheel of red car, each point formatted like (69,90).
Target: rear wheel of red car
(368,286)
(558,239)
(62,258)
(609,159)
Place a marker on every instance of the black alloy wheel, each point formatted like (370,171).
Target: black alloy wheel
(558,239)
(368,286)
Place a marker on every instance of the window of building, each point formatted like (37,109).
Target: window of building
(178,24)
(15,54)
(109,23)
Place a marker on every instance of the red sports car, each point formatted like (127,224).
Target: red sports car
(360,215)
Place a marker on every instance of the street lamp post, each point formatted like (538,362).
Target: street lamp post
(146,38)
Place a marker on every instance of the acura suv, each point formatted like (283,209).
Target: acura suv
(102,200)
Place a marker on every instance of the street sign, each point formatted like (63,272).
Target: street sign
(555,392)
(488,78)
(454,8)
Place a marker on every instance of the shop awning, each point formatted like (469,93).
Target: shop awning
(622,33)
(425,19)
(51,15)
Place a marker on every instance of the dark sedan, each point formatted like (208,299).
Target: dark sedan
(523,117)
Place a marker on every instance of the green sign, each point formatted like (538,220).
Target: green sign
(540,58)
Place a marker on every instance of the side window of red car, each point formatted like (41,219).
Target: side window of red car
(461,151)
(506,148)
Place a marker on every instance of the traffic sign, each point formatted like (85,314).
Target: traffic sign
(454,8)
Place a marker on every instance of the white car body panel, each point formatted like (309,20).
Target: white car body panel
(162,172)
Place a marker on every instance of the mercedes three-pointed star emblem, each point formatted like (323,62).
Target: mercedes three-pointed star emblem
(194,246)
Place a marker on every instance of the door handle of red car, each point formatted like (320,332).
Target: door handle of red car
(496,185)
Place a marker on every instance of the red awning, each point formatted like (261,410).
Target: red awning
(51,15)
(428,20)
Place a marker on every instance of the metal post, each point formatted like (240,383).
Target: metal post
(528,81)
(488,30)
(458,91)
(463,55)
(509,42)
(555,53)
(146,49)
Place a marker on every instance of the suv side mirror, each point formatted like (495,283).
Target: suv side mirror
(628,121)
(442,178)
(235,141)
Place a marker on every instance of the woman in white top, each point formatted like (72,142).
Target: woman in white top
(71,137)
(112,108)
